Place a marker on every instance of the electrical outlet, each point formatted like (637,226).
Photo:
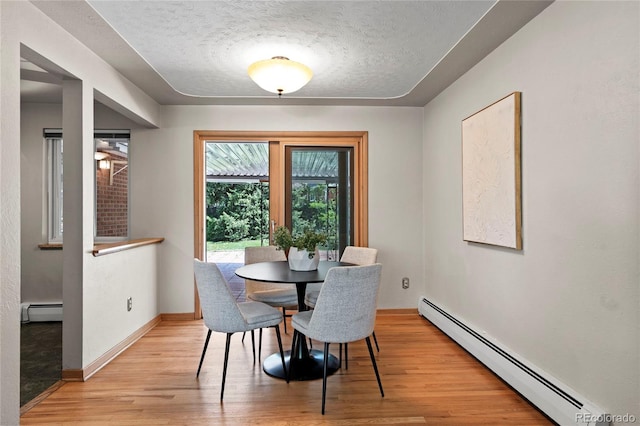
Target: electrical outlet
(405,283)
(129,303)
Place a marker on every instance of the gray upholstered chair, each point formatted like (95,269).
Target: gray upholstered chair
(282,296)
(223,314)
(357,256)
(352,254)
(345,312)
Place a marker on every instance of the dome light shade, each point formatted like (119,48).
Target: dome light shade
(280,75)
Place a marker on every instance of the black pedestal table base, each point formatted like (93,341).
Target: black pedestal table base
(307,368)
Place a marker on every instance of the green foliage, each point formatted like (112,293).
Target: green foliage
(211,228)
(282,238)
(308,240)
(233,229)
(237,211)
(309,207)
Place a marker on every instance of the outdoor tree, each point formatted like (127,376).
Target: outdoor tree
(240,211)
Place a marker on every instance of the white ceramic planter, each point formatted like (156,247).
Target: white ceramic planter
(299,260)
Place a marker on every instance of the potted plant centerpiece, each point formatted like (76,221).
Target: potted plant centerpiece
(302,250)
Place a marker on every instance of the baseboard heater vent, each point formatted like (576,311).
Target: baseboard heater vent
(41,312)
(557,401)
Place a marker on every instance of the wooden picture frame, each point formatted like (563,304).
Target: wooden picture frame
(491,174)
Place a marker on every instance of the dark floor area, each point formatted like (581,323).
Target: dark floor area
(40,358)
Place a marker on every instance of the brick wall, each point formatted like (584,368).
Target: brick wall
(112,200)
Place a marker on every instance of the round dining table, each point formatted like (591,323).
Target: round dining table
(305,363)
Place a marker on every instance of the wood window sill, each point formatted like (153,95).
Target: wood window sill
(50,246)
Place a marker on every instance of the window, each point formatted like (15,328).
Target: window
(111,185)
(53,141)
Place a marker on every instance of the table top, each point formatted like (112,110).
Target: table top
(279,272)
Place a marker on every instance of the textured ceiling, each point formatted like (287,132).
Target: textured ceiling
(362,52)
(357,49)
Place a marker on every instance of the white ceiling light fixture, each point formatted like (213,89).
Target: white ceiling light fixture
(280,75)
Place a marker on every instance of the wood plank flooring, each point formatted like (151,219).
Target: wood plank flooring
(427,379)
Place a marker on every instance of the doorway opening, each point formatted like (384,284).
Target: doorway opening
(237,205)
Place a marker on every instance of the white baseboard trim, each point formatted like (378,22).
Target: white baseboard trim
(556,400)
(41,312)
(81,375)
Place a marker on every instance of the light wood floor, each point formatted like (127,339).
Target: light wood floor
(427,378)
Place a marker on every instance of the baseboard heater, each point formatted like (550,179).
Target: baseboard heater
(41,312)
(557,401)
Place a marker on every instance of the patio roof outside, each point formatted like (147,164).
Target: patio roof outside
(249,161)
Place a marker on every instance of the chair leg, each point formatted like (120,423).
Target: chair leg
(375,366)
(243,333)
(226,360)
(324,374)
(340,354)
(259,347)
(375,341)
(284,366)
(253,346)
(284,319)
(293,351)
(204,350)
(346,356)
(293,341)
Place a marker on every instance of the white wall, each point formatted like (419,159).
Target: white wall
(127,274)
(569,301)
(395,176)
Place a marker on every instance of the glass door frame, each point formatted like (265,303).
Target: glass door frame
(278,141)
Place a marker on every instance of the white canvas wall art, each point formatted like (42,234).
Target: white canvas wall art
(491,193)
